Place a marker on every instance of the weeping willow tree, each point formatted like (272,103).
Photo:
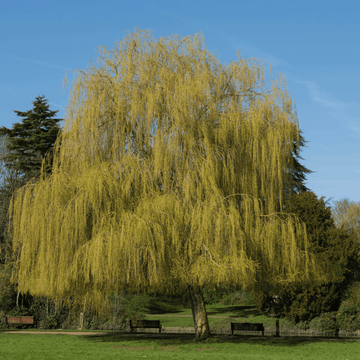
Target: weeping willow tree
(170,171)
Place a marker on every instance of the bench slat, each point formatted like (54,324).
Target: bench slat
(14,320)
(145,324)
(27,320)
(20,320)
(247,327)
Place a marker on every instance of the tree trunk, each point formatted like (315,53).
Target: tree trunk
(201,324)
(17,299)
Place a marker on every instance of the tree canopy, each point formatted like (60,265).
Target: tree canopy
(33,139)
(22,150)
(130,207)
(299,302)
(347,213)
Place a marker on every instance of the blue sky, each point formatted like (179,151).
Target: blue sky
(314,44)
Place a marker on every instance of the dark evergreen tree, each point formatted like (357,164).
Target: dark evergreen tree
(328,242)
(316,215)
(295,172)
(299,171)
(33,139)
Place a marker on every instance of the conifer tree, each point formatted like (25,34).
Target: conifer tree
(33,139)
(295,172)
(127,208)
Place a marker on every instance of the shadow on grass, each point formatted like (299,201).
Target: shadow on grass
(239,311)
(165,306)
(188,339)
(174,306)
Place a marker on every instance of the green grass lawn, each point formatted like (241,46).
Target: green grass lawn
(168,307)
(247,313)
(45,347)
(154,346)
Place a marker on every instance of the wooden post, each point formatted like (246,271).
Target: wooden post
(82,317)
(81,320)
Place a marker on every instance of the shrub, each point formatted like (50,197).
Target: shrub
(7,290)
(304,305)
(212,296)
(264,301)
(303,325)
(237,298)
(52,322)
(347,322)
(328,322)
(245,298)
(348,315)
(325,322)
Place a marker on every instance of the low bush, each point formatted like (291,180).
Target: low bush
(348,315)
(212,296)
(237,298)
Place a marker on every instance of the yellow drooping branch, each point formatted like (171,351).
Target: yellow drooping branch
(168,151)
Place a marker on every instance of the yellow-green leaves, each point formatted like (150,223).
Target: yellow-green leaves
(165,153)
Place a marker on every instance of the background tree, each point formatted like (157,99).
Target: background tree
(297,171)
(32,140)
(10,180)
(347,213)
(111,218)
(301,303)
(22,150)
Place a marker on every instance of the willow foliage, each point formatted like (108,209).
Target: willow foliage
(128,207)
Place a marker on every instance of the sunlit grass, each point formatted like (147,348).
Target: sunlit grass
(44,347)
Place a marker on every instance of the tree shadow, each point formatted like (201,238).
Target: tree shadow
(175,306)
(165,306)
(238,310)
(171,340)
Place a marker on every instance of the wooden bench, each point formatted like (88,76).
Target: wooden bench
(28,320)
(247,327)
(145,324)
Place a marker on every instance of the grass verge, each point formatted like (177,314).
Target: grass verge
(44,347)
